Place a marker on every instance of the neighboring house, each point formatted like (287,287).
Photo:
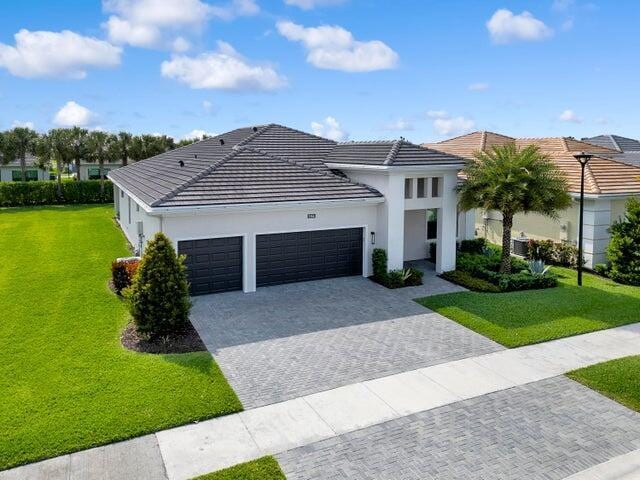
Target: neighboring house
(268,205)
(91,170)
(608,184)
(11,172)
(627,149)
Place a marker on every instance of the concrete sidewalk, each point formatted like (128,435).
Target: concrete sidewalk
(195,449)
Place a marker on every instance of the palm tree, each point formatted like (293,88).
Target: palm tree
(123,146)
(24,141)
(513,181)
(102,148)
(80,146)
(57,145)
(7,148)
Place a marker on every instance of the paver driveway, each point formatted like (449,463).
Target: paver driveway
(292,340)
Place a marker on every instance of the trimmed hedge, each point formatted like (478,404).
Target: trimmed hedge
(465,279)
(24,194)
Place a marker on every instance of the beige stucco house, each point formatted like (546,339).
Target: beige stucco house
(608,184)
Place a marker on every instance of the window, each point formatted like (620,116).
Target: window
(432,224)
(408,188)
(121,194)
(93,173)
(137,207)
(435,187)
(16,175)
(422,192)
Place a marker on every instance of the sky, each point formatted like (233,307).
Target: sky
(425,70)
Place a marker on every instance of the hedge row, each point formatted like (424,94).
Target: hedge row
(23,194)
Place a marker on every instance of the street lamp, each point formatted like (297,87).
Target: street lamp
(583,158)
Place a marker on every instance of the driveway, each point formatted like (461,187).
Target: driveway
(291,340)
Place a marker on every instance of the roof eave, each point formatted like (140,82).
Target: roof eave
(395,168)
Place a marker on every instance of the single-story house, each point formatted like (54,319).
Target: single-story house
(11,172)
(608,184)
(626,149)
(91,170)
(268,204)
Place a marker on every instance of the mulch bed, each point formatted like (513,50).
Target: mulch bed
(184,342)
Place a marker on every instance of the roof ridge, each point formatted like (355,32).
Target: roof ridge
(393,152)
(592,178)
(565,144)
(615,143)
(255,134)
(194,179)
(304,133)
(483,140)
(327,173)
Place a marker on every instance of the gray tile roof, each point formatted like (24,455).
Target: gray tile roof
(268,163)
(247,175)
(390,153)
(616,142)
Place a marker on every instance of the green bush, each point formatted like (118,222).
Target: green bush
(477,245)
(566,255)
(602,269)
(122,273)
(412,277)
(466,280)
(395,279)
(624,249)
(23,194)
(379,260)
(159,295)
(541,250)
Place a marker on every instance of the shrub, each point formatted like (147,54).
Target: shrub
(623,251)
(525,281)
(477,245)
(538,268)
(395,279)
(541,250)
(412,277)
(379,260)
(466,280)
(159,296)
(566,255)
(122,272)
(602,269)
(22,194)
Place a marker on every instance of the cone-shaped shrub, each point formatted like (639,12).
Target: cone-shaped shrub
(624,248)
(159,296)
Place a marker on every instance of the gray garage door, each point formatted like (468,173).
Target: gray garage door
(213,264)
(300,256)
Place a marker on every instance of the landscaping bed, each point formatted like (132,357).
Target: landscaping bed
(617,379)
(265,468)
(182,342)
(66,382)
(521,318)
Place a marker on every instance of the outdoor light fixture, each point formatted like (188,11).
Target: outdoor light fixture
(583,158)
(373,238)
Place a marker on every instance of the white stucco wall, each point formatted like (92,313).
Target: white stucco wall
(84,169)
(7,176)
(129,213)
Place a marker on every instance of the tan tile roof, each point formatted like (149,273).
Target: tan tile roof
(602,175)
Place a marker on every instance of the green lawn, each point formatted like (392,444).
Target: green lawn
(521,318)
(618,379)
(66,383)
(265,468)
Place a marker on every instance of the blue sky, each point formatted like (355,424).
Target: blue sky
(356,69)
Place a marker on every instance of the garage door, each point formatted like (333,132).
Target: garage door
(300,256)
(213,264)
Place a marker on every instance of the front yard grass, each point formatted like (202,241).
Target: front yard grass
(265,468)
(617,379)
(66,383)
(522,318)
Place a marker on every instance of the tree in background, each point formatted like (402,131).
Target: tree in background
(123,145)
(159,296)
(624,249)
(23,141)
(102,148)
(56,146)
(513,181)
(80,147)
(7,148)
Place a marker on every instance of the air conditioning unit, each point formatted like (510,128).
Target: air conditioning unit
(521,246)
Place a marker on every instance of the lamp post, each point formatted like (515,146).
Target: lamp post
(583,158)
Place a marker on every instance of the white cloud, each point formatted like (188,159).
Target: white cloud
(437,114)
(310,4)
(445,124)
(148,23)
(329,128)
(19,124)
(506,27)
(197,134)
(479,87)
(224,69)
(74,115)
(56,54)
(208,106)
(399,125)
(334,48)
(569,116)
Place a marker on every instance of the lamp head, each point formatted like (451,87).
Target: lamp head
(583,157)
